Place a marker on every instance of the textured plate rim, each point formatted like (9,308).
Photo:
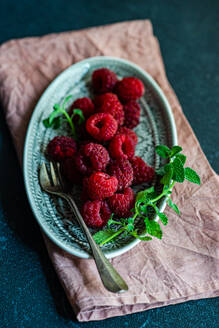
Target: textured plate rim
(168,111)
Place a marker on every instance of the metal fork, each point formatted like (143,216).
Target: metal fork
(51,182)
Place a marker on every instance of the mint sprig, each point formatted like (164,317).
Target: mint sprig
(146,202)
(60,115)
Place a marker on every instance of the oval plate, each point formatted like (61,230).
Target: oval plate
(156,126)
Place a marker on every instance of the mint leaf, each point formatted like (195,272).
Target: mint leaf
(153,228)
(56,123)
(161,215)
(144,238)
(163,218)
(173,206)
(66,101)
(164,169)
(182,158)
(144,194)
(78,112)
(175,150)
(130,227)
(192,176)
(102,235)
(54,114)
(143,209)
(178,170)
(46,123)
(163,151)
(167,176)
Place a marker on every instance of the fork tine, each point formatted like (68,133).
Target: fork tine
(44,177)
(59,175)
(53,174)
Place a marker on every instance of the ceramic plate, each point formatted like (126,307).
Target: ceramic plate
(156,127)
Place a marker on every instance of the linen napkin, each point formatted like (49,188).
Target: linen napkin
(184,265)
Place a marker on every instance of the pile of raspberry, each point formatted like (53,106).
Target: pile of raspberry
(104,160)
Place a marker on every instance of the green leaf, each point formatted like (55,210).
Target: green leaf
(55,113)
(192,176)
(163,151)
(46,122)
(178,170)
(182,158)
(143,209)
(131,220)
(144,238)
(153,228)
(167,177)
(111,221)
(56,123)
(144,194)
(66,100)
(162,216)
(80,114)
(173,206)
(130,227)
(175,150)
(164,169)
(102,235)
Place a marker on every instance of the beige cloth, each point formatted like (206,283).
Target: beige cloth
(181,267)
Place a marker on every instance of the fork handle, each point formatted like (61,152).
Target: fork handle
(109,276)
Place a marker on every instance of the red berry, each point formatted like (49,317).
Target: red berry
(129,88)
(101,186)
(60,148)
(142,172)
(101,126)
(85,104)
(96,213)
(122,146)
(70,172)
(123,171)
(109,103)
(132,114)
(129,132)
(92,157)
(121,203)
(103,80)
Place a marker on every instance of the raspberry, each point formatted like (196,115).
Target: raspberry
(101,186)
(129,88)
(142,172)
(101,126)
(60,148)
(92,157)
(85,104)
(121,203)
(122,146)
(109,103)
(123,171)
(96,213)
(129,132)
(103,80)
(132,114)
(69,171)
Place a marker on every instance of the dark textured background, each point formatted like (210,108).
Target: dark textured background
(188,31)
